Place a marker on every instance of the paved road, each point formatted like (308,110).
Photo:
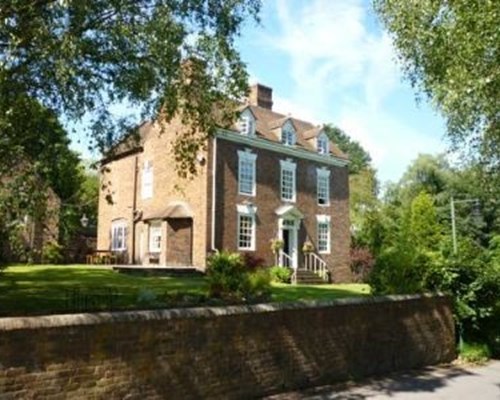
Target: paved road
(454,383)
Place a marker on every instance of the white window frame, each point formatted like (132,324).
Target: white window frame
(245,157)
(323,177)
(147,180)
(246,211)
(322,221)
(119,228)
(246,125)
(289,166)
(288,135)
(322,144)
(155,231)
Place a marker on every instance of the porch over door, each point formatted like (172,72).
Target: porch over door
(179,241)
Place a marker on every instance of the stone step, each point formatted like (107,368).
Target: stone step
(308,277)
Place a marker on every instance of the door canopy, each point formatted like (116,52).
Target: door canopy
(289,211)
(174,209)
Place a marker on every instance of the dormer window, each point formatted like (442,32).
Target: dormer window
(288,134)
(322,144)
(247,123)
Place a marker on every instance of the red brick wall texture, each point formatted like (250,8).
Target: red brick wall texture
(231,353)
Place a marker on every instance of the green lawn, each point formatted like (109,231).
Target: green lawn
(30,290)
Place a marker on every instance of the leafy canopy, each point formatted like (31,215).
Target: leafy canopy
(79,57)
(449,51)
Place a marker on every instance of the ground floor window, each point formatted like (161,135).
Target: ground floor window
(323,222)
(246,232)
(118,235)
(155,237)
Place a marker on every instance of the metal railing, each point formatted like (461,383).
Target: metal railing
(314,263)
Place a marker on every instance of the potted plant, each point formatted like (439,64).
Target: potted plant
(277,245)
(307,247)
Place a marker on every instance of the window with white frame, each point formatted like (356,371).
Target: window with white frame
(246,227)
(247,123)
(246,173)
(288,180)
(147,180)
(288,134)
(155,237)
(118,235)
(323,227)
(323,186)
(322,144)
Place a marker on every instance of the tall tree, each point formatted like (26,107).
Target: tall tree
(359,158)
(165,57)
(449,51)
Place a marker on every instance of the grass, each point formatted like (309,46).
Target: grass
(49,289)
(474,353)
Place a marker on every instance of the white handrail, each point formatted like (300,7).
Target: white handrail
(314,263)
(285,260)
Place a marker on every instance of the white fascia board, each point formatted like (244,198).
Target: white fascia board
(279,148)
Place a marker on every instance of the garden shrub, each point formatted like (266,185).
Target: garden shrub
(52,253)
(362,263)
(280,274)
(472,278)
(252,262)
(477,353)
(230,279)
(258,285)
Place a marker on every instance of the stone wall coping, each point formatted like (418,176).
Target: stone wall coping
(81,319)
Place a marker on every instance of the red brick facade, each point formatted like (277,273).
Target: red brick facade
(187,224)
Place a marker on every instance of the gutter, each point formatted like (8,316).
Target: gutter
(134,208)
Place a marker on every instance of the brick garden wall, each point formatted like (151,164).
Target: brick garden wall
(227,352)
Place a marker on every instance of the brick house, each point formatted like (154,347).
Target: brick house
(272,178)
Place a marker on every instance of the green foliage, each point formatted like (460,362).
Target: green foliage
(424,229)
(165,58)
(470,278)
(449,52)
(359,158)
(476,353)
(362,263)
(280,274)
(52,253)
(229,279)
(258,286)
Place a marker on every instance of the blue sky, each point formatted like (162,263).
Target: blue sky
(329,61)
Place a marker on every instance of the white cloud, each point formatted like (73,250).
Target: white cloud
(343,70)
(331,49)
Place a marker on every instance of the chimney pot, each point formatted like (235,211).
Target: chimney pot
(261,96)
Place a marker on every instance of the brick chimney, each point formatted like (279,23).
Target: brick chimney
(261,96)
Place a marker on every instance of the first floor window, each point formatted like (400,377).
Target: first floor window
(155,237)
(246,172)
(288,180)
(246,231)
(323,186)
(118,235)
(323,234)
